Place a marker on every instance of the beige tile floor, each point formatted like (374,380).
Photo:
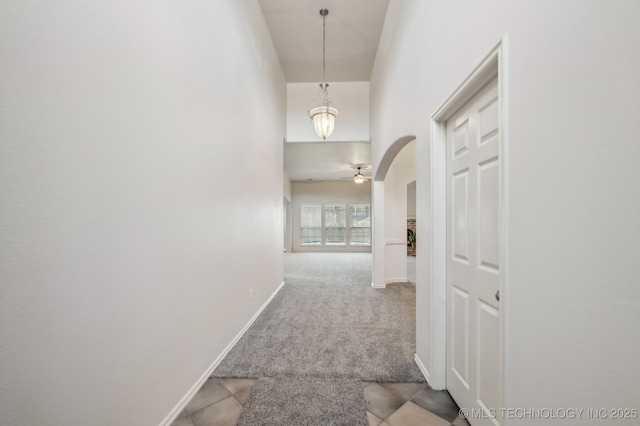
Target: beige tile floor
(220,401)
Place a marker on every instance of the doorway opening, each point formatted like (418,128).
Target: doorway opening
(411,232)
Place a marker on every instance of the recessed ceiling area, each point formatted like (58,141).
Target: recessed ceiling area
(353,29)
(326,160)
(353,33)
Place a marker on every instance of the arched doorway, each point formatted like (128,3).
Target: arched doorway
(389,197)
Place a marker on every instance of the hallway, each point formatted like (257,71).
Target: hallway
(143,198)
(338,284)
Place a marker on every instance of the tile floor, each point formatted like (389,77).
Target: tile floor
(220,401)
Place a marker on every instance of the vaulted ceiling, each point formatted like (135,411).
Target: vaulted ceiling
(353,29)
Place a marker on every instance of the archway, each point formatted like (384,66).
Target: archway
(389,239)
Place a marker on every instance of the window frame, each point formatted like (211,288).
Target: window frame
(331,208)
(367,208)
(303,243)
(320,233)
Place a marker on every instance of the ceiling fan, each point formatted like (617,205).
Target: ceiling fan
(359,177)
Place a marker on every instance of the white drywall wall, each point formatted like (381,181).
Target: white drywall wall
(287,188)
(350,99)
(287,214)
(411,200)
(572,89)
(132,226)
(400,173)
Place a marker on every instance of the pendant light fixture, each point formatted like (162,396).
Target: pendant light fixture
(359,177)
(323,117)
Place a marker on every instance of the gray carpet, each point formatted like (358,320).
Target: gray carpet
(340,269)
(323,333)
(330,322)
(305,401)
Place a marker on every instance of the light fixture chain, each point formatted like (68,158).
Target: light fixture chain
(324,116)
(324,32)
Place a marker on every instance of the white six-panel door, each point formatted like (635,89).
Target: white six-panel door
(473,253)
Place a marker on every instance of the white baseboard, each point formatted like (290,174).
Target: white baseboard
(378,286)
(421,366)
(196,387)
(395,242)
(395,280)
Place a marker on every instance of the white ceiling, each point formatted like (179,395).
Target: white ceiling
(353,30)
(326,160)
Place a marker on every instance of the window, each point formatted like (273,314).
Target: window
(335,225)
(311,225)
(360,225)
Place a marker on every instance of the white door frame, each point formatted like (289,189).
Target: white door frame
(493,65)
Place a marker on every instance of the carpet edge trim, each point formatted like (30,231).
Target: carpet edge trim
(421,366)
(175,412)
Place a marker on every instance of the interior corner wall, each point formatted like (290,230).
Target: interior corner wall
(570,306)
(411,200)
(130,139)
(288,223)
(351,99)
(400,173)
(324,192)
(287,188)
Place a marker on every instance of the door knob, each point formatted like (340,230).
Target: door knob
(498,295)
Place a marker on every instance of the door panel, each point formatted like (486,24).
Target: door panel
(488,365)
(461,216)
(461,139)
(473,265)
(488,180)
(488,120)
(460,338)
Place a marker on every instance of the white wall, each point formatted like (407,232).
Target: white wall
(287,222)
(323,192)
(130,138)
(400,173)
(411,200)
(350,99)
(572,89)
(287,188)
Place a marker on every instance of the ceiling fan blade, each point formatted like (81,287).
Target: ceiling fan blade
(351,177)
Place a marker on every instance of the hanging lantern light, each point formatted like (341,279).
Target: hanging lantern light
(324,117)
